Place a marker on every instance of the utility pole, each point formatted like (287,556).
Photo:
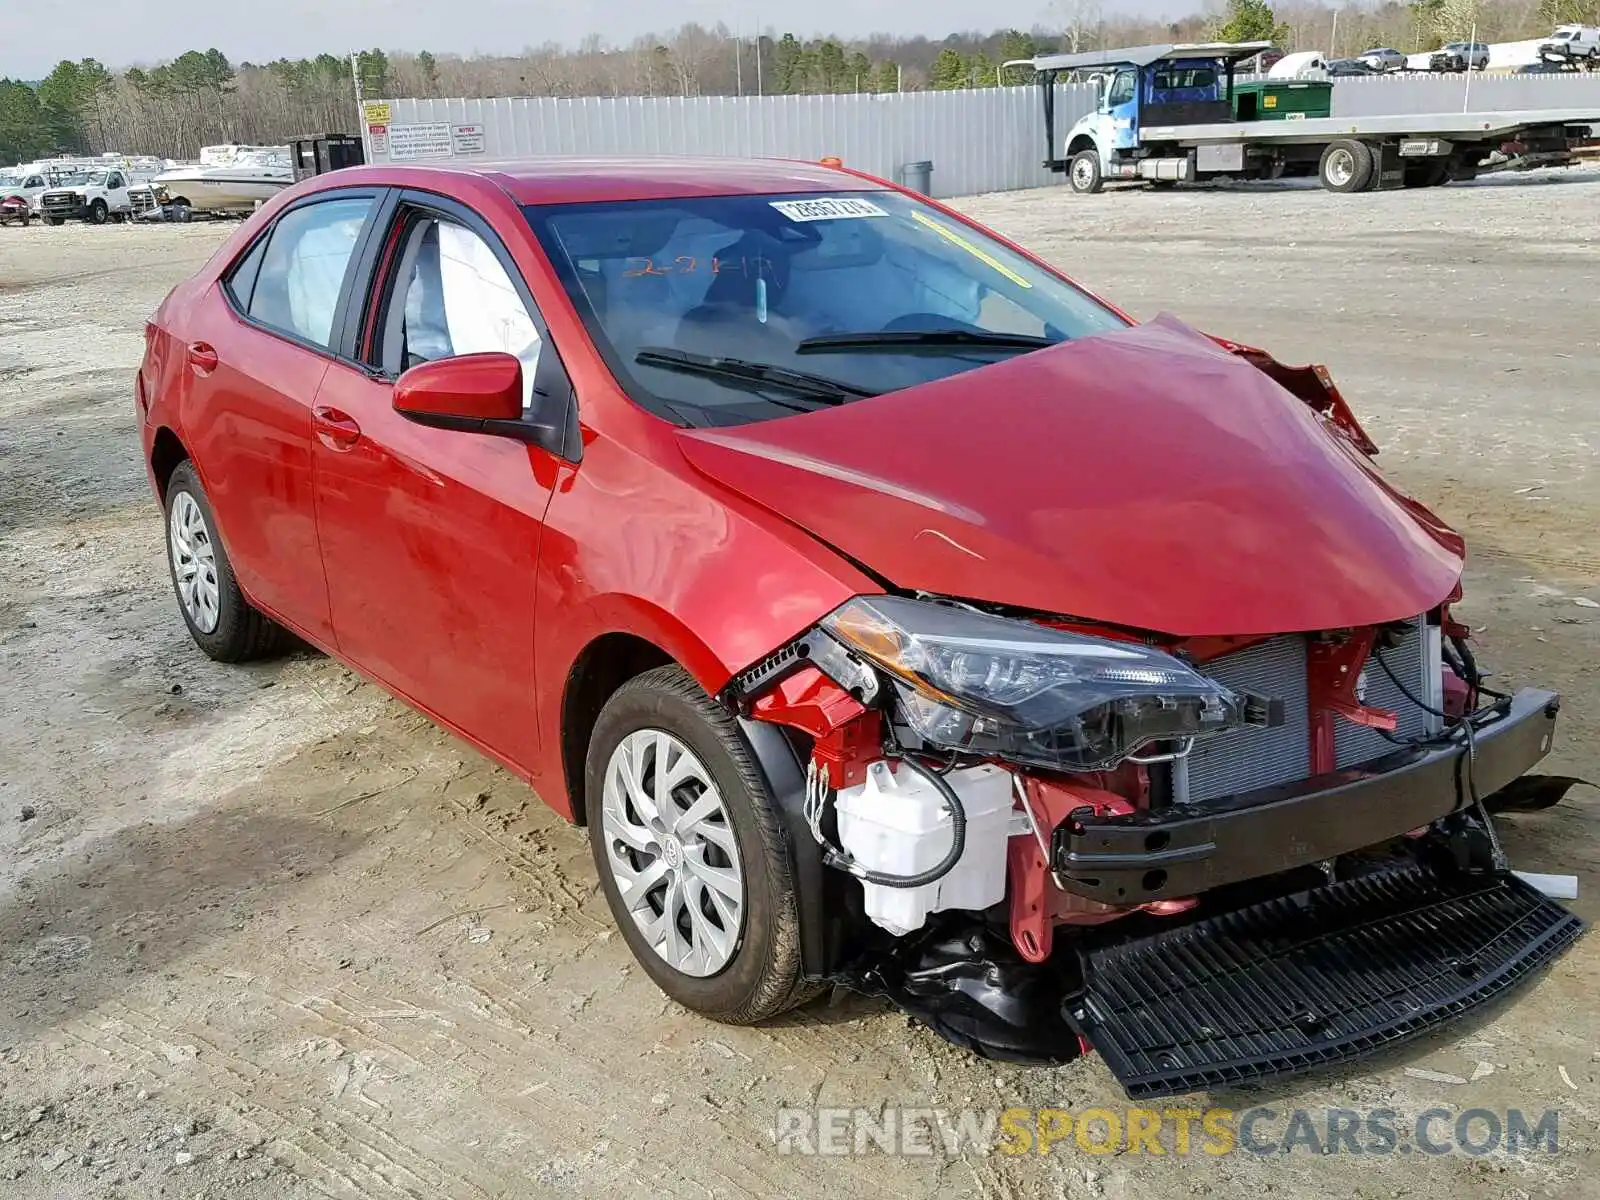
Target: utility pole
(355,75)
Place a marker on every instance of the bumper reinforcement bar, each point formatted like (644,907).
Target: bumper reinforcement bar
(1187,850)
(1312,979)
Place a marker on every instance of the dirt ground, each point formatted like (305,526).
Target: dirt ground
(265,932)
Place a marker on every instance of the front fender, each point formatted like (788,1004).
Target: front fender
(636,542)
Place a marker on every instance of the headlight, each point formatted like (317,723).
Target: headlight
(990,685)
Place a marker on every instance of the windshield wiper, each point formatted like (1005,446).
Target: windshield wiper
(738,370)
(918,339)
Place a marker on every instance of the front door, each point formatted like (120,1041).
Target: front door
(431,537)
(1122,110)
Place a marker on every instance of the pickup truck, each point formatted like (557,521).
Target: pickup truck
(104,195)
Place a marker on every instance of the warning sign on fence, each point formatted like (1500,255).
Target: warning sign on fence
(420,141)
(466,139)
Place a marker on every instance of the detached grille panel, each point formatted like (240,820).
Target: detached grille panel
(1321,977)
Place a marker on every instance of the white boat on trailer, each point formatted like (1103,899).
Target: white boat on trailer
(228,178)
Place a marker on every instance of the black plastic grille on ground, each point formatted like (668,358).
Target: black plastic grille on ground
(1311,979)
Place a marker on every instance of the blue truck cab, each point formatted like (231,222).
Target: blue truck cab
(1139,87)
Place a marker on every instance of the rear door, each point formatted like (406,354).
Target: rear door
(430,537)
(259,347)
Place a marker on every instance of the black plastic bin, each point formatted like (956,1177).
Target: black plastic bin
(317,154)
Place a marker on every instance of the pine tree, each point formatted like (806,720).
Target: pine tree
(1252,21)
(787,66)
(885,77)
(858,73)
(949,71)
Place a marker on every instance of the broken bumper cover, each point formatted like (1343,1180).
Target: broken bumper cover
(1184,851)
(1312,979)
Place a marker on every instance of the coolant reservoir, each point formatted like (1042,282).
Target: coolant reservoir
(898,823)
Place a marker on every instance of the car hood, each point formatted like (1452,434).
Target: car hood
(1146,478)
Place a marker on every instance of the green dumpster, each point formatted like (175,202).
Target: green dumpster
(1282,99)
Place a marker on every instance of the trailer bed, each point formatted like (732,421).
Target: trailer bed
(1480,125)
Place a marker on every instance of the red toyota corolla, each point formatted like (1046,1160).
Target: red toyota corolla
(891,610)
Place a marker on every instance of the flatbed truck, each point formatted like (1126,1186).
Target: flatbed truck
(1166,115)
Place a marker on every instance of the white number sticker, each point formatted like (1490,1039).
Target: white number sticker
(828,208)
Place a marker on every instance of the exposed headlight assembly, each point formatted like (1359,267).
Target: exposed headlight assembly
(989,685)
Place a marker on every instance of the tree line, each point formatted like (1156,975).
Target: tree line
(202,97)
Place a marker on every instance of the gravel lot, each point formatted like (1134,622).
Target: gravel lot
(264,932)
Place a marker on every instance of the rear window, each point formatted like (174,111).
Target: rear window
(1189,77)
(831,286)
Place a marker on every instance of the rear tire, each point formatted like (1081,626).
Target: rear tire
(219,618)
(733,959)
(1346,166)
(1084,174)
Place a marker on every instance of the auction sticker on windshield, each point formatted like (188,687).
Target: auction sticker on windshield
(828,208)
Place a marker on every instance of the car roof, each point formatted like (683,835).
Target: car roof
(575,180)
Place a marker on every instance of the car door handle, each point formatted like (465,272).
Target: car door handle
(202,357)
(335,430)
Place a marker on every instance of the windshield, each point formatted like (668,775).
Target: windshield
(730,309)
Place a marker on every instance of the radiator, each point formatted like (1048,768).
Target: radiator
(1247,759)
(1354,743)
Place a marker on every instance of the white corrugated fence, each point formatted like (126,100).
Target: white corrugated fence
(987,140)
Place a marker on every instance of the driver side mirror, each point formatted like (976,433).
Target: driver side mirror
(473,393)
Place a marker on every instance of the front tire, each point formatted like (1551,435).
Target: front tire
(1084,174)
(219,618)
(690,849)
(98,213)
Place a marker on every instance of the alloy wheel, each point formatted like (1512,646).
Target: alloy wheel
(671,850)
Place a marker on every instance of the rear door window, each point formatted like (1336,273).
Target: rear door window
(241,280)
(301,277)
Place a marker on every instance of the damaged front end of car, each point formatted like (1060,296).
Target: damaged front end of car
(1210,859)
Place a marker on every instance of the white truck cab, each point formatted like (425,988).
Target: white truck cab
(104,194)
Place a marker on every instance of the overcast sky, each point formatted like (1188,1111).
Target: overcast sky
(34,36)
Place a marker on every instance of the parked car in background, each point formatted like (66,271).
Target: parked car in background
(29,185)
(1572,43)
(1350,66)
(1460,56)
(1383,59)
(14,210)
